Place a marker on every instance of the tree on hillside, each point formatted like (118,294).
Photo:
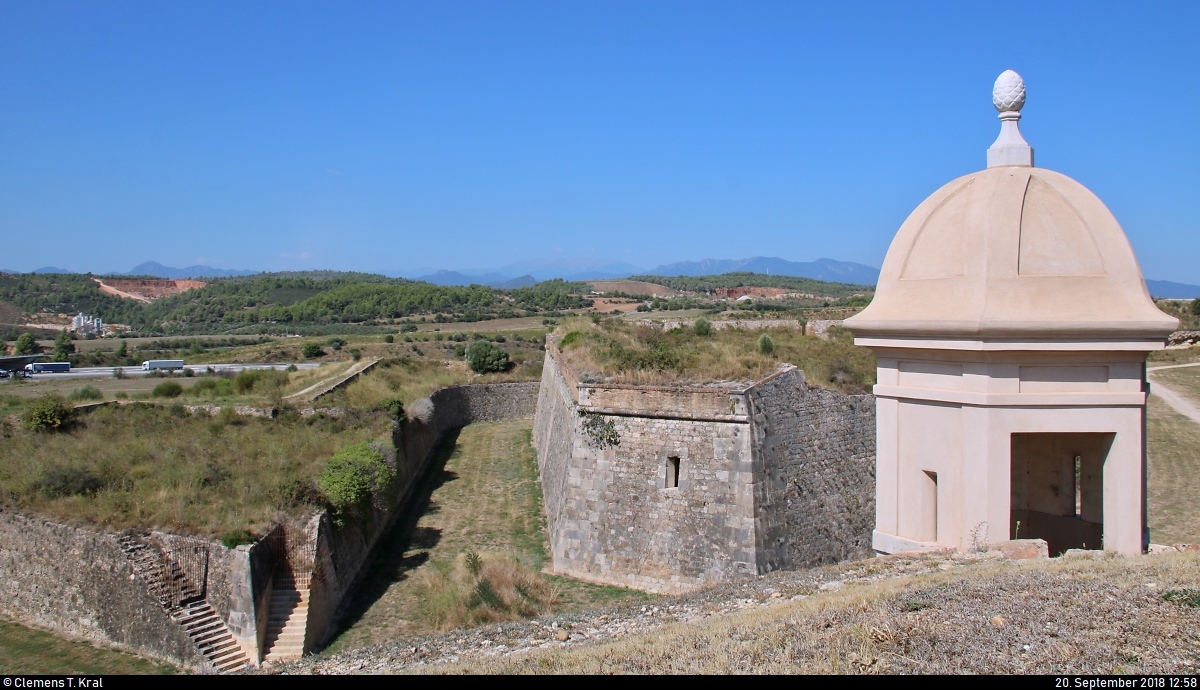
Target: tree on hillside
(484,357)
(25,345)
(63,347)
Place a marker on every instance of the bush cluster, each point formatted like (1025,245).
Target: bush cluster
(48,413)
(167,389)
(355,476)
(484,357)
(88,392)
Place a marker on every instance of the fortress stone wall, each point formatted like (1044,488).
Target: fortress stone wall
(703,484)
(81,582)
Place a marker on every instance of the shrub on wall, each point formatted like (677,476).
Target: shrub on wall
(702,326)
(355,476)
(48,413)
(395,407)
(484,357)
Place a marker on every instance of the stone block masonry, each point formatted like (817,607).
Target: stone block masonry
(692,485)
(78,581)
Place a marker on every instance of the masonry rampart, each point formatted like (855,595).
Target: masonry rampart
(80,582)
(702,484)
(817,495)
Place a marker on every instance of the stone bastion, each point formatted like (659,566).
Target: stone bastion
(666,488)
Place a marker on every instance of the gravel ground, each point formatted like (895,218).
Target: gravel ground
(966,613)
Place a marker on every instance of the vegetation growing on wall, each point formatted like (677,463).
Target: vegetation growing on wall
(355,478)
(644,354)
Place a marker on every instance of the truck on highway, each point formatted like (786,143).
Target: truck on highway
(47,367)
(167,364)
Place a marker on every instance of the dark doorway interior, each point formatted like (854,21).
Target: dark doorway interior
(1058,489)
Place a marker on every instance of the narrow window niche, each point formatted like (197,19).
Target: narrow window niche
(672,473)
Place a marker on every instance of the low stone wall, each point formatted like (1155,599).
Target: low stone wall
(820,327)
(80,582)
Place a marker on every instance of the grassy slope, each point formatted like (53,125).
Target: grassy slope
(1185,381)
(1076,615)
(141,465)
(482,494)
(28,651)
(1173,487)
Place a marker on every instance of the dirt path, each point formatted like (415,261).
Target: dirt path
(1180,403)
(329,385)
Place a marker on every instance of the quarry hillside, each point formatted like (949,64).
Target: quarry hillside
(323,302)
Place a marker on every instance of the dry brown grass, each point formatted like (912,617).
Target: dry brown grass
(1185,381)
(1067,616)
(152,466)
(1173,486)
(645,355)
(478,588)
(482,494)
(412,377)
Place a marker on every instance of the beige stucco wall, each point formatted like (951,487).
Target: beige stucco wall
(954,414)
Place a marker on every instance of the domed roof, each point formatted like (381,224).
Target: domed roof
(1012,251)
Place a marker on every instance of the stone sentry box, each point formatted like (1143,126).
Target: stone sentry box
(1011,327)
(688,485)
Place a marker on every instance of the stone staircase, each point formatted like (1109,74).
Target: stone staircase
(287,620)
(211,636)
(185,603)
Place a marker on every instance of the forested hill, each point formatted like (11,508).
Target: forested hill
(708,284)
(244,303)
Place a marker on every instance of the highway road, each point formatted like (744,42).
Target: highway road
(109,372)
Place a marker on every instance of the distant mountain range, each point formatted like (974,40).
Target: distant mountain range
(153,268)
(523,273)
(1165,289)
(829,270)
(490,279)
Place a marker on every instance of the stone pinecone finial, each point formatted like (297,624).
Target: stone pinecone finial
(1009,92)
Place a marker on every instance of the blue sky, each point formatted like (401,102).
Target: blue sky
(462,135)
